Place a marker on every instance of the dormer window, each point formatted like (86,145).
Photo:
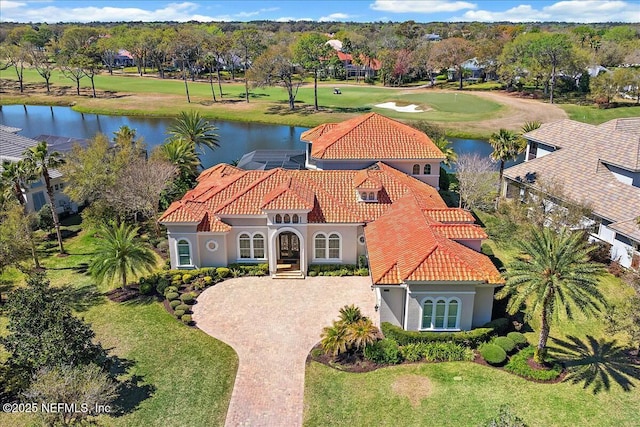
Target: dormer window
(367,196)
(416,169)
(278,219)
(372,196)
(287,218)
(295,218)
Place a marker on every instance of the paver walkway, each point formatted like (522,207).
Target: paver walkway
(272,325)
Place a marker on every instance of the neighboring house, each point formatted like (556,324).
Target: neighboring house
(431,37)
(367,67)
(473,70)
(362,141)
(12,147)
(424,257)
(599,165)
(123,59)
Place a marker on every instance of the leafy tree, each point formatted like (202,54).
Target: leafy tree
(121,255)
(625,319)
(555,276)
(72,385)
(628,82)
(16,236)
(275,67)
(477,181)
(506,146)
(187,47)
(249,43)
(217,45)
(603,87)
(44,220)
(312,52)
(192,127)
(44,66)
(453,52)
(39,161)
(43,333)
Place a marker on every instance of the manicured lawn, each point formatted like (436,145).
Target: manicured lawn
(594,115)
(177,375)
(337,398)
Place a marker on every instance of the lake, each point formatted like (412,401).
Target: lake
(236,138)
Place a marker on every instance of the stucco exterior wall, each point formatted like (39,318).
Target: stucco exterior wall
(392,305)
(483,306)
(188,233)
(61,201)
(349,242)
(233,252)
(417,293)
(212,250)
(406,166)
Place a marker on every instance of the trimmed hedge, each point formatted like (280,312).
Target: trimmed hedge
(436,352)
(171,289)
(187,298)
(186,318)
(518,365)
(171,296)
(493,354)
(506,343)
(183,307)
(175,303)
(179,313)
(471,338)
(146,288)
(518,338)
(383,352)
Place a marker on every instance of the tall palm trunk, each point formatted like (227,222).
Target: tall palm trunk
(540,353)
(186,85)
(315,89)
(54,214)
(213,91)
(219,82)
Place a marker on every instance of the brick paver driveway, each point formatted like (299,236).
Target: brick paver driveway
(272,325)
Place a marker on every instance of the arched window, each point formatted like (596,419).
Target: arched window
(251,247)
(327,246)
(245,245)
(184,252)
(320,244)
(287,219)
(416,169)
(441,313)
(334,246)
(427,169)
(295,218)
(278,218)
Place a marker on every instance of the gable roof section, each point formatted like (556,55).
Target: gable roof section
(404,245)
(373,136)
(290,195)
(316,132)
(364,180)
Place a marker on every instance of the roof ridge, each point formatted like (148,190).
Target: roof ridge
(246,189)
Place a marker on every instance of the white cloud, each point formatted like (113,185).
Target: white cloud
(421,6)
(335,17)
(256,12)
(586,11)
(291,18)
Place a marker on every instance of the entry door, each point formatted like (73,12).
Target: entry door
(289,246)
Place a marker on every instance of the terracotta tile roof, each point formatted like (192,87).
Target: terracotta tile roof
(460,231)
(579,165)
(218,171)
(450,215)
(365,180)
(405,246)
(291,194)
(313,134)
(373,136)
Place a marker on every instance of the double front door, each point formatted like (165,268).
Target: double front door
(289,247)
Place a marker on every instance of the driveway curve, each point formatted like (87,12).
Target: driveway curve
(272,325)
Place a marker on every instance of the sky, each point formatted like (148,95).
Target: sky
(584,11)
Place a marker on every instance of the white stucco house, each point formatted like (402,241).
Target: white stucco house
(599,165)
(12,147)
(362,141)
(424,259)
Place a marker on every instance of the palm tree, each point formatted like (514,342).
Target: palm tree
(350,314)
(121,255)
(556,276)
(530,126)
(334,339)
(38,160)
(124,137)
(361,334)
(506,146)
(351,333)
(181,154)
(191,127)
(450,156)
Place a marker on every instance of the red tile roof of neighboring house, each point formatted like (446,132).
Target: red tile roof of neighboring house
(450,215)
(372,63)
(403,246)
(371,136)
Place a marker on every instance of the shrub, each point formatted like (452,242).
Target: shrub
(518,338)
(170,289)
(312,274)
(412,352)
(264,267)
(471,338)
(499,325)
(445,352)
(384,352)
(518,364)
(146,288)
(179,313)
(186,319)
(222,272)
(183,307)
(186,278)
(187,298)
(175,303)
(171,296)
(362,272)
(505,343)
(176,278)
(162,285)
(493,354)
(208,280)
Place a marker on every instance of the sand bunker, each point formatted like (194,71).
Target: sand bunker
(413,387)
(411,108)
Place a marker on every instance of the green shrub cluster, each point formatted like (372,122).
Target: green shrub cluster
(146,288)
(222,272)
(500,325)
(518,338)
(493,354)
(187,298)
(436,352)
(250,269)
(183,307)
(179,313)
(171,296)
(505,343)
(471,338)
(383,352)
(175,303)
(336,270)
(186,319)
(518,365)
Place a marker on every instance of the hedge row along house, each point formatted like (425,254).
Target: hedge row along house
(424,259)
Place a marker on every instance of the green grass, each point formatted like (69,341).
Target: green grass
(338,398)
(182,375)
(595,115)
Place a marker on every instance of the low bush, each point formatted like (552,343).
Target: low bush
(505,343)
(362,272)
(208,280)
(170,289)
(146,288)
(171,296)
(183,307)
(222,272)
(179,313)
(500,325)
(383,352)
(186,278)
(471,338)
(176,278)
(187,298)
(493,354)
(186,318)
(518,338)
(162,285)
(518,364)
(412,352)
(312,274)
(175,303)
(334,269)
(445,352)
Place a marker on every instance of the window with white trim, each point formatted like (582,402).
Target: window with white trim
(441,313)
(184,252)
(327,246)
(251,247)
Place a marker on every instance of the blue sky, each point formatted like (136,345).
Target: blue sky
(52,11)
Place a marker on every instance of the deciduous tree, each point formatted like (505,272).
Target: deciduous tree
(453,52)
(477,181)
(275,68)
(312,51)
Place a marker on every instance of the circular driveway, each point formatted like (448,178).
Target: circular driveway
(272,324)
